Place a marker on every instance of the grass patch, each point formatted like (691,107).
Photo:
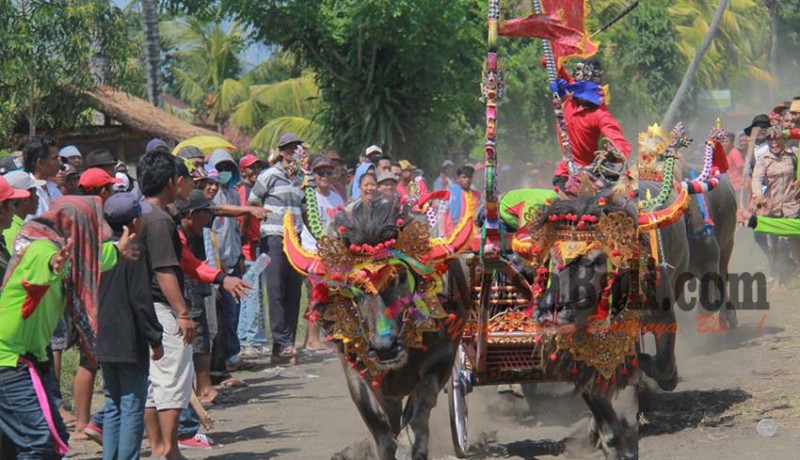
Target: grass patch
(70,361)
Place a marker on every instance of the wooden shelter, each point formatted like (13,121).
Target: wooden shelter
(127,124)
(123,125)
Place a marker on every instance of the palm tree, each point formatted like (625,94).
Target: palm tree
(669,117)
(742,41)
(272,109)
(152,51)
(205,60)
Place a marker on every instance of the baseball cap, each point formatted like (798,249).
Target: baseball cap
(760,121)
(69,170)
(333,155)
(97,158)
(386,175)
(123,184)
(211,173)
(321,162)
(124,207)
(405,164)
(10,163)
(196,201)
(69,152)
(7,192)
(154,144)
(373,149)
(249,160)
(189,152)
(447,163)
(795,106)
(288,138)
(96,178)
(21,180)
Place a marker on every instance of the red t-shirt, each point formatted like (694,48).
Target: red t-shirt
(252,233)
(584,127)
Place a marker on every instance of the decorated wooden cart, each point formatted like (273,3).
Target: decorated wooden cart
(504,342)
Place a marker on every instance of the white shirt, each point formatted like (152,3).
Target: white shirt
(327,212)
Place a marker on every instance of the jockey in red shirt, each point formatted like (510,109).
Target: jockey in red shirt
(587,118)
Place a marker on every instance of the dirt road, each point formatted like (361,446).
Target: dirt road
(728,383)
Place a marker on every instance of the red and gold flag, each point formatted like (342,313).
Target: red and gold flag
(573,15)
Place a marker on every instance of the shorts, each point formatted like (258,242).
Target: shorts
(171,377)
(201,345)
(60,339)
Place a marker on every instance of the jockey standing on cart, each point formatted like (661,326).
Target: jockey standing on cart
(587,118)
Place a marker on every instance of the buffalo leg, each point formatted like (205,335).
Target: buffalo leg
(617,439)
(418,414)
(377,414)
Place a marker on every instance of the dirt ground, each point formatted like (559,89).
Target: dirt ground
(728,382)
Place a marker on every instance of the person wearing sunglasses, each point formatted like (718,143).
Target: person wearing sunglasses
(329,203)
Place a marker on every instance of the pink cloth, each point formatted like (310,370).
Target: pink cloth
(44,403)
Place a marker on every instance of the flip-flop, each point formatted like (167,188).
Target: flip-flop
(324,351)
(241,366)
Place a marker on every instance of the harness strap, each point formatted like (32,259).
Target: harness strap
(708,225)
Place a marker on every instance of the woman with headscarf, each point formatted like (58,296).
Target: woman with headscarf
(58,258)
(362,169)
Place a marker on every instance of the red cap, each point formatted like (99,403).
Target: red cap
(96,178)
(248,160)
(9,193)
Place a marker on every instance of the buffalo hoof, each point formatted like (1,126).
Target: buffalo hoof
(670,383)
(594,433)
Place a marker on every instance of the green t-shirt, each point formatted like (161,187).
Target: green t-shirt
(516,203)
(11,232)
(32,279)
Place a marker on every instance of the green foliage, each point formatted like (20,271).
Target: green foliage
(47,47)
(644,69)
(202,58)
(392,72)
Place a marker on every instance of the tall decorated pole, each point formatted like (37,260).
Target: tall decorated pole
(491,92)
(561,123)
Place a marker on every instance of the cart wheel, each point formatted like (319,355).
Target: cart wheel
(457,391)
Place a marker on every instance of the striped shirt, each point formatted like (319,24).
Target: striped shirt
(279,195)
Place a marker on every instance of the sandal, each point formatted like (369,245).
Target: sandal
(240,366)
(324,351)
(286,356)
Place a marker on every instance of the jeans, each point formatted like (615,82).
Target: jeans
(251,316)
(26,435)
(188,424)
(123,424)
(229,321)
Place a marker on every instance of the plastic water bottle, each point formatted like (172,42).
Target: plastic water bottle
(255,270)
(209,247)
(767,428)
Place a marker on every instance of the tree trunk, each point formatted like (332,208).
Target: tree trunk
(773,41)
(669,118)
(152,51)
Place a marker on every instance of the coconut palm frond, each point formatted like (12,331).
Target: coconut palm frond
(762,76)
(231,94)
(189,90)
(293,97)
(247,115)
(306,129)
